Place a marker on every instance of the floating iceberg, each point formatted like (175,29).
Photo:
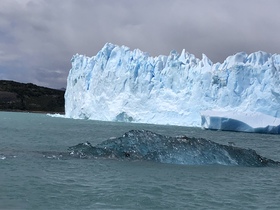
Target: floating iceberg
(244,122)
(146,145)
(119,84)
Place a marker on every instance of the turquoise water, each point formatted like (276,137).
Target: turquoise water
(33,175)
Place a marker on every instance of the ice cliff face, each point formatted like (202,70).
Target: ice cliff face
(123,85)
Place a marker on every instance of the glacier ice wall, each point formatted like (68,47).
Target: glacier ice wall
(119,84)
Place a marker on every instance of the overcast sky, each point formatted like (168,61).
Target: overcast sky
(39,37)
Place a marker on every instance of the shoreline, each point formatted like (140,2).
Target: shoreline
(36,112)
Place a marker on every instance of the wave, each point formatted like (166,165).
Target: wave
(56,115)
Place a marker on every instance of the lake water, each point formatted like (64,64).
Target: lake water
(34,176)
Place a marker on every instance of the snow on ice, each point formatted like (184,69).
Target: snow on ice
(119,84)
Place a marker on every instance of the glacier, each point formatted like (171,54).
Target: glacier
(149,146)
(119,84)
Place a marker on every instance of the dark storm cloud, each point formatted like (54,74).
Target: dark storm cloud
(39,37)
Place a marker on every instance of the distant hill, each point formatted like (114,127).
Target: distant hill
(15,96)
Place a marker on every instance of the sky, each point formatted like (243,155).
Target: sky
(39,37)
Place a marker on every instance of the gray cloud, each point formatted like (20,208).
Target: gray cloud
(39,37)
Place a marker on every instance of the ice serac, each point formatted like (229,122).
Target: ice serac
(150,146)
(119,84)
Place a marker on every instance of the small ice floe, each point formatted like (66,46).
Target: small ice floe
(2,157)
(58,157)
(230,143)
